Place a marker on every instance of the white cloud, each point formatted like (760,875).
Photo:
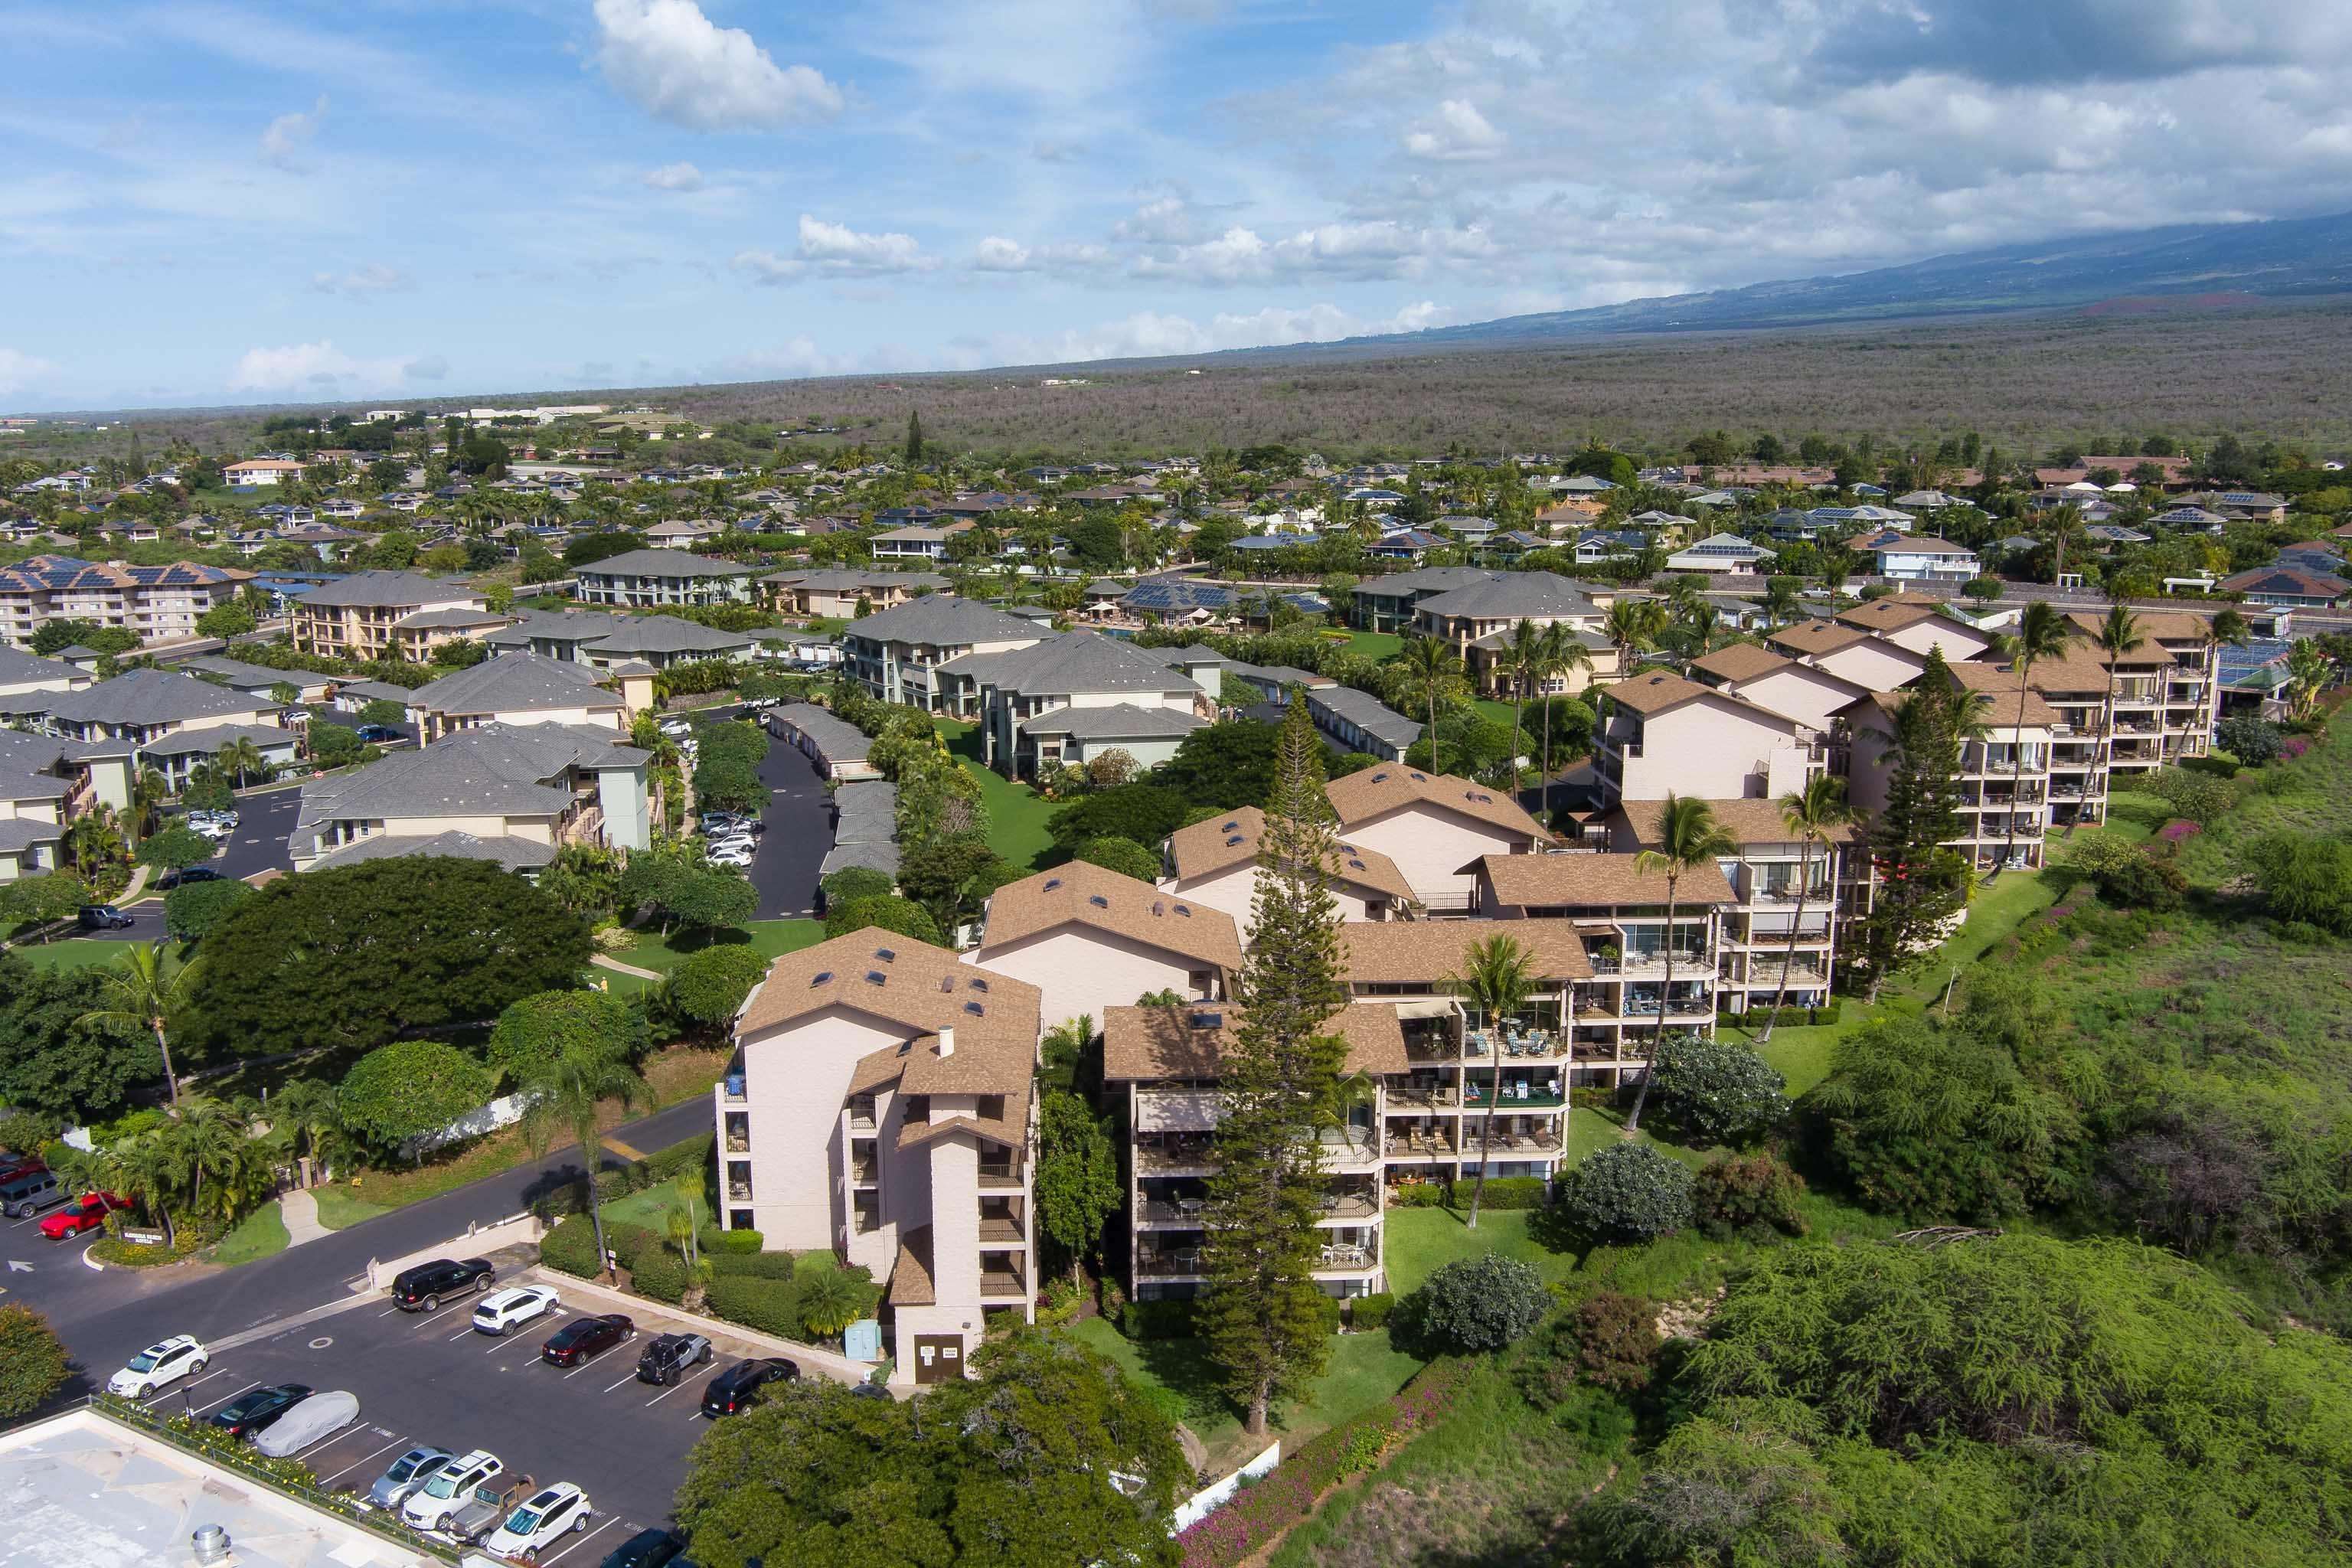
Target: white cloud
(306,367)
(1369,250)
(290,133)
(18,369)
(675,177)
(832,249)
(997,254)
(674,63)
(1163,220)
(374,278)
(1152,334)
(1457,133)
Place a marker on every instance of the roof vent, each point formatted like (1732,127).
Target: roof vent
(876,977)
(1358,865)
(1235,838)
(1185,912)
(821,976)
(1422,777)
(1157,907)
(1208,1020)
(1380,778)
(210,1543)
(979,985)
(1233,823)
(946,985)
(975,1009)
(1097,900)
(947,1042)
(1052,883)
(885,955)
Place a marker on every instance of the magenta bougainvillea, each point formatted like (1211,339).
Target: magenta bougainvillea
(2174,831)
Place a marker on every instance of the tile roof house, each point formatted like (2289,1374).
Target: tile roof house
(1090,939)
(1430,826)
(1214,862)
(882,1106)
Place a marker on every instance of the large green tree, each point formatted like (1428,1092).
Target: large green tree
(404,1090)
(532,1032)
(1265,1318)
(566,1095)
(1048,1459)
(1079,1187)
(359,955)
(32,1362)
(1921,881)
(54,1060)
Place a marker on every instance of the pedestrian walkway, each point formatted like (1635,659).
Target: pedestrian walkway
(300,1210)
(617,967)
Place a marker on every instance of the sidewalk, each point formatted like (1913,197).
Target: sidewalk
(617,967)
(300,1210)
(834,1365)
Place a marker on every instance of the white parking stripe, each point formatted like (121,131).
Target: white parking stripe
(208,1377)
(321,1443)
(610,1387)
(248,1388)
(460,1334)
(325,1480)
(577,1370)
(582,1541)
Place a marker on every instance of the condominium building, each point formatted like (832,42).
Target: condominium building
(838,594)
(650,579)
(165,721)
(882,1105)
(382,614)
(2165,689)
(522,688)
(38,781)
(1659,734)
(1479,619)
(896,654)
(1432,827)
(2005,776)
(154,603)
(1089,939)
(1215,863)
(1058,702)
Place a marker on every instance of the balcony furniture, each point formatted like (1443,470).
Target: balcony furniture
(1191,1208)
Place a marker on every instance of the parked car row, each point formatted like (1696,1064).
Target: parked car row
(730,838)
(284,1419)
(214,825)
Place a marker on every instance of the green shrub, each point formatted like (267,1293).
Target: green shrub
(630,1242)
(2143,882)
(734,1241)
(660,1274)
(1506,1193)
(571,1248)
(1749,1195)
(2305,878)
(1475,1304)
(1370,1312)
(1617,1342)
(855,882)
(754,1265)
(1418,1196)
(1159,1320)
(693,1155)
(770,1306)
(1629,1192)
(2252,740)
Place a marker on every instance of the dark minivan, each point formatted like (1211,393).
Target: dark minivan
(735,1388)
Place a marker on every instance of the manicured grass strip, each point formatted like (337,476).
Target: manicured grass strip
(1378,647)
(73,954)
(1017,815)
(340,1210)
(769,939)
(259,1235)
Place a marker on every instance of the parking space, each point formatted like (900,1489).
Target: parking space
(428,1378)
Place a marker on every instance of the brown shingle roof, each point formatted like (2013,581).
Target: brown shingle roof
(1741,661)
(1083,894)
(1148,1043)
(2181,626)
(922,989)
(910,1275)
(1656,691)
(1595,881)
(914,1134)
(1817,637)
(2010,706)
(1377,791)
(1750,821)
(1425,952)
(1222,842)
(1888,614)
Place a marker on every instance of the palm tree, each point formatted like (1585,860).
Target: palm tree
(2040,634)
(1560,654)
(565,1095)
(285,693)
(1779,599)
(147,794)
(2308,670)
(306,1120)
(1811,814)
(143,990)
(152,1174)
(830,1301)
(1688,837)
(2230,628)
(685,1233)
(93,840)
(2118,635)
(2064,526)
(1522,656)
(1430,674)
(214,1141)
(1631,626)
(241,756)
(1495,980)
(1702,619)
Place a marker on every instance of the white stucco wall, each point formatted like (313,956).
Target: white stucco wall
(795,1081)
(1084,970)
(1429,845)
(1709,748)
(1233,889)
(1876,665)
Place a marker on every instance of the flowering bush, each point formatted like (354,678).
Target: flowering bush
(2174,831)
(1258,1515)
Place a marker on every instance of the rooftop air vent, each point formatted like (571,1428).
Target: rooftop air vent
(1422,777)
(821,976)
(1185,912)
(946,985)
(1380,778)
(1157,907)
(1231,824)
(1052,883)
(210,1543)
(1359,866)
(886,954)
(979,985)
(1097,900)
(1235,838)
(1208,1020)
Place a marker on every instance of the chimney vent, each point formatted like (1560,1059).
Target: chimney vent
(947,1041)
(210,1543)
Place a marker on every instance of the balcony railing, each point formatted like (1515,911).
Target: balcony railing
(998,1283)
(997,1229)
(1349,1206)
(1189,1155)
(1173,1211)
(999,1173)
(863,1172)
(738,1143)
(1406,1145)
(1163,1262)
(1473,1097)
(1640,964)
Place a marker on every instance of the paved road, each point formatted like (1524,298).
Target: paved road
(799,835)
(265,822)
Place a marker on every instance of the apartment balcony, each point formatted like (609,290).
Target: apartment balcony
(738,1143)
(731,1089)
(739,1189)
(999,1175)
(1801,977)
(1181,1154)
(1353,1149)
(1439,1099)
(1175,1211)
(1424,1142)
(1431,1046)
(999,1284)
(1347,1261)
(1781,942)
(1168,1262)
(1338,1208)
(1538,1145)
(865,1172)
(999,1231)
(1522,1095)
(1644,965)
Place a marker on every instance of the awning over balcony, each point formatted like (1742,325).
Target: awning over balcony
(1177,1110)
(1434,1007)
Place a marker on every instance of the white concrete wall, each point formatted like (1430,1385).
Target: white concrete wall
(1233,889)
(795,1081)
(1879,665)
(1801,692)
(1923,636)
(1084,970)
(1429,845)
(1709,749)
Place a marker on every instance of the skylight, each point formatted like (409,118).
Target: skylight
(876,977)
(1097,900)
(821,976)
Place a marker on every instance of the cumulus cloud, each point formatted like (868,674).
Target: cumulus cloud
(374,278)
(18,369)
(1456,133)
(676,64)
(1166,219)
(832,249)
(997,254)
(1371,249)
(675,177)
(304,366)
(286,135)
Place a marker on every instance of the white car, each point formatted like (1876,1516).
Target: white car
(736,854)
(551,1511)
(675,728)
(306,1424)
(514,1306)
(167,1361)
(451,1488)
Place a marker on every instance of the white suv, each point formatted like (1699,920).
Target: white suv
(451,1488)
(512,1306)
(167,1361)
(550,1513)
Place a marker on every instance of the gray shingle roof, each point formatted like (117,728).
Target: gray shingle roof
(513,683)
(18,833)
(1429,579)
(944,620)
(1514,596)
(23,669)
(838,740)
(495,770)
(662,564)
(511,853)
(668,634)
(1071,663)
(1367,713)
(1120,721)
(208,742)
(385,589)
(144,697)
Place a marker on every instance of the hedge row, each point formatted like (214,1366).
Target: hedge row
(752,1265)
(1502,1192)
(1258,1515)
(1366,1313)
(571,1247)
(620,1181)
(770,1306)
(1159,1320)
(1790,1015)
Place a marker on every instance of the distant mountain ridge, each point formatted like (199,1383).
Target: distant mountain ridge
(2278,259)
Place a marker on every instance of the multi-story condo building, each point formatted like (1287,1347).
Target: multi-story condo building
(37,779)
(2165,690)
(379,615)
(1387,604)
(27,684)
(1772,681)
(165,721)
(1479,619)
(896,654)
(1432,827)
(1862,657)
(650,579)
(1792,900)
(1214,863)
(1057,703)
(522,688)
(1659,734)
(1643,967)
(882,1105)
(606,641)
(1089,939)
(1919,624)
(2005,771)
(804,591)
(154,603)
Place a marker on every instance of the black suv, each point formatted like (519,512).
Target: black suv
(102,917)
(187,877)
(250,1413)
(667,1358)
(733,1389)
(420,1289)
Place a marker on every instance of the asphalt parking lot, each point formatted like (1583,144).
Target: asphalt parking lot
(428,1379)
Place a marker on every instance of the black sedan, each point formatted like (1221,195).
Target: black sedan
(250,1413)
(187,877)
(647,1549)
(734,1389)
(584,1337)
(420,1289)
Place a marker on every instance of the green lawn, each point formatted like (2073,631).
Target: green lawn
(1364,1369)
(338,1210)
(768,938)
(259,1235)
(73,954)
(1378,647)
(651,1207)
(1017,815)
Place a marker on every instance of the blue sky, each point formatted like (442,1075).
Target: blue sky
(411,199)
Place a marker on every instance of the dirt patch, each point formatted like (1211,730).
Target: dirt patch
(1687,1319)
